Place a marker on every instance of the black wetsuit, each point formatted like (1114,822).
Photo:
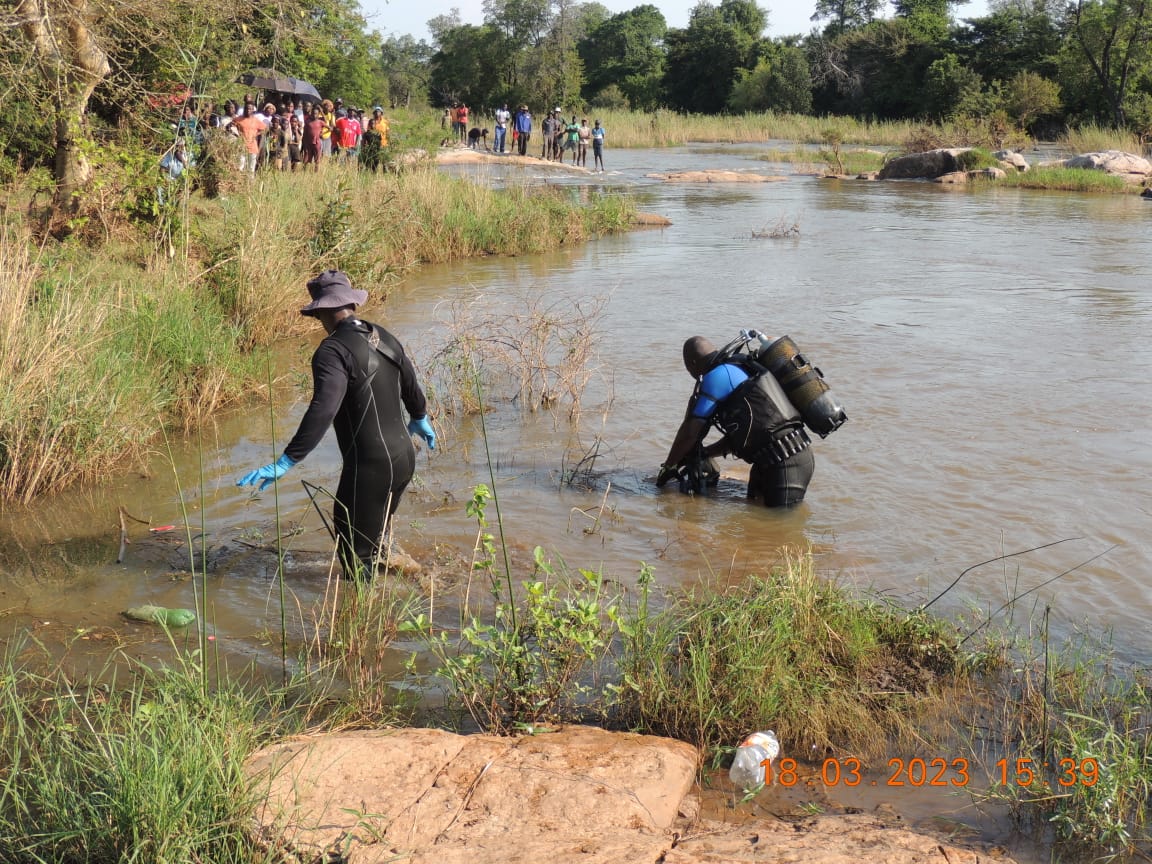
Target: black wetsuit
(359,390)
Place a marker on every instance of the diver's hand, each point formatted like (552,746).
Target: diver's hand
(667,472)
(423,429)
(268,473)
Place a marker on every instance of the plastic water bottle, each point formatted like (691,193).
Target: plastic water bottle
(747,771)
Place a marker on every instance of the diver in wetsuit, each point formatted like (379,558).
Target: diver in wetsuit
(760,425)
(361,376)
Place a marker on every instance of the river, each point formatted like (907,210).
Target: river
(990,347)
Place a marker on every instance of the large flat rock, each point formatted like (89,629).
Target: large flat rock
(577,796)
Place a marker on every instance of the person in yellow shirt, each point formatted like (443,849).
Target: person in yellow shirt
(328,112)
(381,124)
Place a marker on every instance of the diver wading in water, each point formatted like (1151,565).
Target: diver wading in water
(361,377)
(750,391)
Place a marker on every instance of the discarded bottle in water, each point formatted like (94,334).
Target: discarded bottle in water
(161,615)
(747,771)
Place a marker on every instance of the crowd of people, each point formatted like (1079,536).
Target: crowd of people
(559,137)
(284,136)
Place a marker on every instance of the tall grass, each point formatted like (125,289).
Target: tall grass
(105,341)
(785,650)
(668,129)
(1072,746)
(150,772)
(1091,138)
(1067,180)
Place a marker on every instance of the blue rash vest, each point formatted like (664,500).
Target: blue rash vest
(716,386)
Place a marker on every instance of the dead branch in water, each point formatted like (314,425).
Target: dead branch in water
(785,226)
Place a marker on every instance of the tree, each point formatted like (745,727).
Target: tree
(846,14)
(1015,38)
(442,25)
(405,62)
(71,63)
(878,70)
(929,19)
(704,58)
(951,89)
(1028,97)
(780,82)
(626,51)
(1115,39)
(467,68)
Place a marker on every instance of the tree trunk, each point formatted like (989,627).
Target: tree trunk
(72,64)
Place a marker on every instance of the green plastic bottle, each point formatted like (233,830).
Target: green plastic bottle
(161,615)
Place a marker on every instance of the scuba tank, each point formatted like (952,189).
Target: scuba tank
(802,382)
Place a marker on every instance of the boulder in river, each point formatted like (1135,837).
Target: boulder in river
(1131,167)
(1012,159)
(579,795)
(927,165)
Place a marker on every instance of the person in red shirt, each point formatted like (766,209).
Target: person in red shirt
(311,149)
(349,130)
(462,121)
(250,128)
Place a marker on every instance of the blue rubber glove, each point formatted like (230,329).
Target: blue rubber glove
(424,429)
(268,473)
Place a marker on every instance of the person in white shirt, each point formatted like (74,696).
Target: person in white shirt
(503,115)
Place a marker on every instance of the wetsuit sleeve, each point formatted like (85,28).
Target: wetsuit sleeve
(329,384)
(714,388)
(410,392)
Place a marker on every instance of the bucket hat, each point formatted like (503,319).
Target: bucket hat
(332,289)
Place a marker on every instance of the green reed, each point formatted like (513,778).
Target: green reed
(784,649)
(147,769)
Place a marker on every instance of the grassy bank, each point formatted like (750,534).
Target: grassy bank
(158,322)
(669,129)
(145,765)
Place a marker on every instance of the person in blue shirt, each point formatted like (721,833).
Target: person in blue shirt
(759,425)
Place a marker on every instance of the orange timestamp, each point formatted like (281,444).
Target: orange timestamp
(850,772)
(917,772)
(1069,772)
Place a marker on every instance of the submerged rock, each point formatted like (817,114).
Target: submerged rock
(715,177)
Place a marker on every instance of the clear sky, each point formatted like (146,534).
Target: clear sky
(785,17)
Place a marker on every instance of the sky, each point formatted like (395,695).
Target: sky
(785,17)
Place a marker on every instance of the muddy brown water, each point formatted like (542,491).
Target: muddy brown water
(989,346)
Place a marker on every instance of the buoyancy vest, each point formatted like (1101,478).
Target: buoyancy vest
(371,410)
(758,421)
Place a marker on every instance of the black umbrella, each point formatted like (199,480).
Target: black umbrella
(273,81)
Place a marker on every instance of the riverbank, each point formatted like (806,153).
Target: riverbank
(174,315)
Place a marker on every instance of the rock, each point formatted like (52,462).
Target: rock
(651,219)
(929,164)
(714,177)
(1147,193)
(952,178)
(828,839)
(1013,159)
(1131,167)
(987,174)
(576,796)
(579,794)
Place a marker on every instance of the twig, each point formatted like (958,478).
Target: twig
(991,561)
(1037,588)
